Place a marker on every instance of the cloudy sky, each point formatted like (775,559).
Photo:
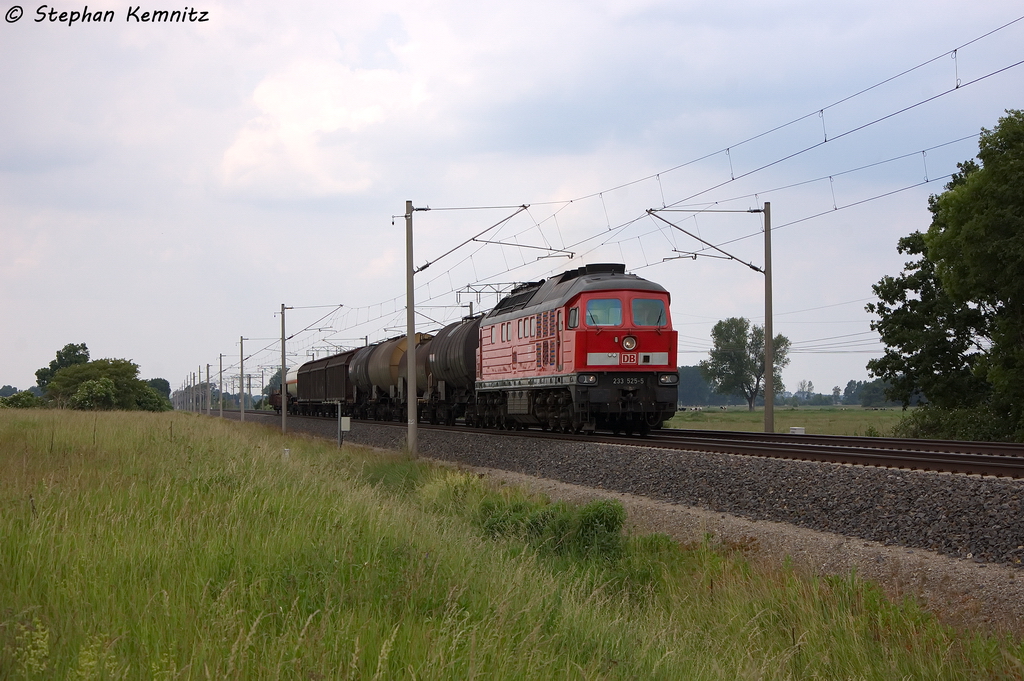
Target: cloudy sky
(165,187)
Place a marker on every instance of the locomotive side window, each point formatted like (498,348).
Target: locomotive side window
(604,312)
(649,312)
(574,317)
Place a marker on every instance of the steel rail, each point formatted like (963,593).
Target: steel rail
(993,448)
(864,451)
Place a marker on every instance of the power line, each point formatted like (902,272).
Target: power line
(808,115)
(617,230)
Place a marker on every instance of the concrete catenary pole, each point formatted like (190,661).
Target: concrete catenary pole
(769,338)
(284,375)
(209,391)
(410,332)
(241,376)
(220,385)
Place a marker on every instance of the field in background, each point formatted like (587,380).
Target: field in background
(816,420)
(167,546)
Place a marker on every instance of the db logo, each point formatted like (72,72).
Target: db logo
(628,358)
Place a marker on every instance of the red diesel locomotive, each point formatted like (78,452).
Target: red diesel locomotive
(592,348)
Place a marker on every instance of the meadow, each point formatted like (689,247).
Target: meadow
(175,546)
(852,420)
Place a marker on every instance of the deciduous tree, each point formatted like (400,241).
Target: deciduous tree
(736,362)
(69,355)
(976,241)
(129,391)
(953,322)
(934,343)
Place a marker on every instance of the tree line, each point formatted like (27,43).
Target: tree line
(695,390)
(73,381)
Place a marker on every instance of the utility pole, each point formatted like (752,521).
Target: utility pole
(199,387)
(241,375)
(220,384)
(410,333)
(769,339)
(284,376)
(209,391)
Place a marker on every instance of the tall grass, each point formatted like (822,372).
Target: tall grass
(172,546)
(816,420)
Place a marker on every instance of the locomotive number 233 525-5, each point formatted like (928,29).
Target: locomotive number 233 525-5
(629,380)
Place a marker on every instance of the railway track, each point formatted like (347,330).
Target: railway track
(970,458)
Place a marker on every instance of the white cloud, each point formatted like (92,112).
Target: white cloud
(305,140)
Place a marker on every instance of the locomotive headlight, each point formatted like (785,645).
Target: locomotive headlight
(629,343)
(586,379)
(668,379)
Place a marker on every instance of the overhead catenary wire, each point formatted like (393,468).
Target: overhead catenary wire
(620,228)
(798,119)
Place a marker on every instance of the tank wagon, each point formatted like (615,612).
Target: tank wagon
(592,348)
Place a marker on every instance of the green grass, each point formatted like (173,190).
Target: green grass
(816,420)
(171,546)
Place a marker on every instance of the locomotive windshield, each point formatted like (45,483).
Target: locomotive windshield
(604,312)
(649,312)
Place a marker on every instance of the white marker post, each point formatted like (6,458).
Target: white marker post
(344,425)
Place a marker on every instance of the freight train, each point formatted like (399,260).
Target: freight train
(592,348)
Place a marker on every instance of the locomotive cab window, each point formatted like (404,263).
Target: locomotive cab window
(604,312)
(649,312)
(574,317)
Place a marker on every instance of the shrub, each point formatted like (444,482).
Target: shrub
(590,531)
(94,394)
(598,529)
(22,400)
(980,424)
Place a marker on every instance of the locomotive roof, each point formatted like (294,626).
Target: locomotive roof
(557,291)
